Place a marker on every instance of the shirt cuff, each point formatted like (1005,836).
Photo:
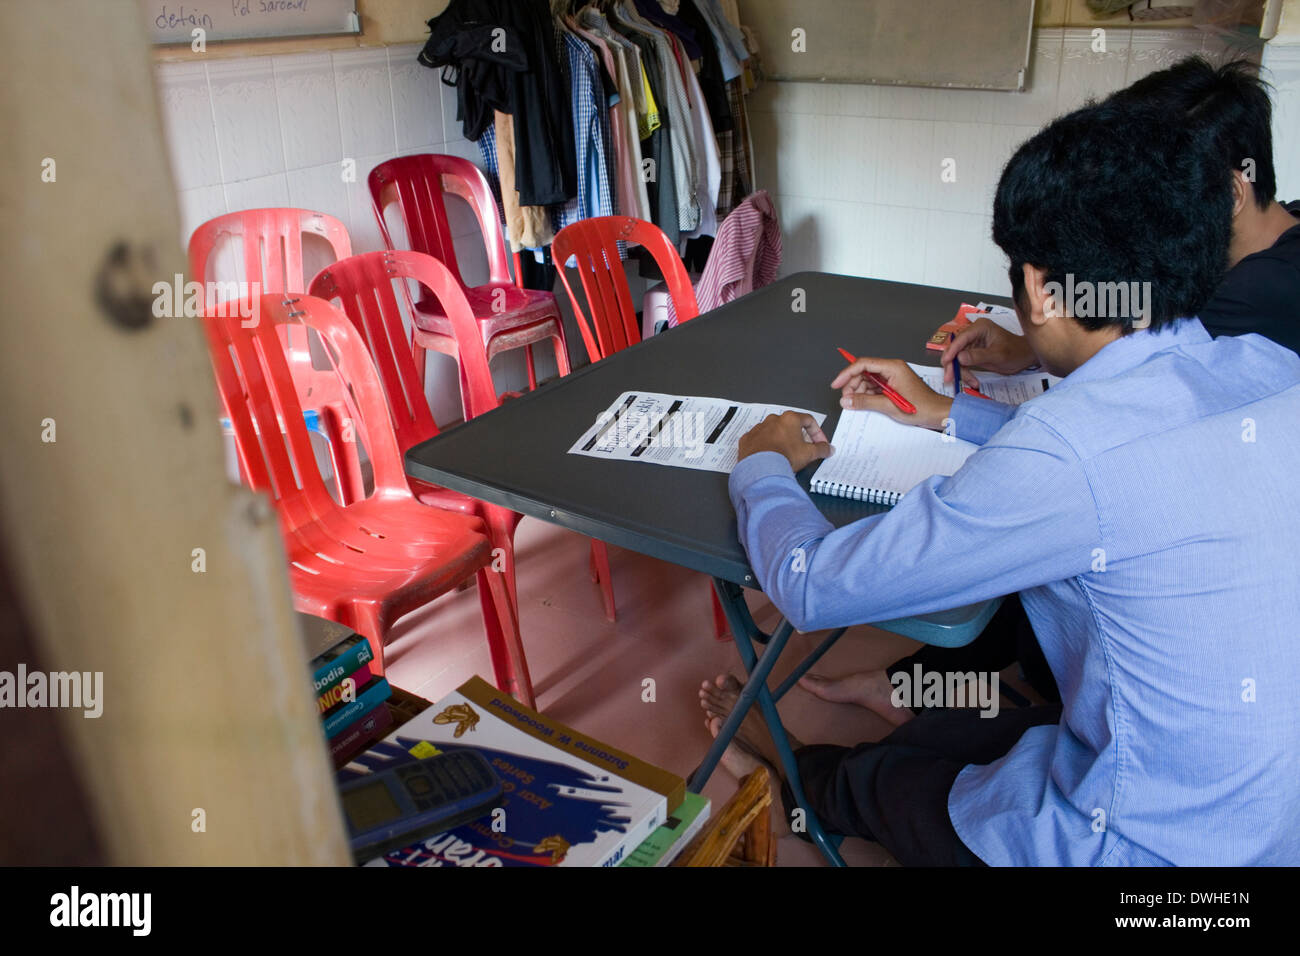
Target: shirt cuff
(977,420)
(763,464)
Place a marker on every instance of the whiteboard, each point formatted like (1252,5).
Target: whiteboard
(977,44)
(173,21)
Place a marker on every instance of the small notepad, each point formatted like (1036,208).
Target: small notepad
(879,460)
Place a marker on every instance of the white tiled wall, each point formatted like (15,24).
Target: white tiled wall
(1282,68)
(274,131)
(856,169)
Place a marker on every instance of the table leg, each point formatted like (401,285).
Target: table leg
(807,663)
(757,671)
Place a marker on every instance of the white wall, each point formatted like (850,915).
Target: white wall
(273,131)
(1282,68)
(855,169)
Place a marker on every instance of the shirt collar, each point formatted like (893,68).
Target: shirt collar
(1130,351)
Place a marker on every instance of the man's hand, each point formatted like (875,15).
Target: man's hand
(793,434)
(985,344)
(858,391)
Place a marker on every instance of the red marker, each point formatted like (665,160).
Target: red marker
(899,401)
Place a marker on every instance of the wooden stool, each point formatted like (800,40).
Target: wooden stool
(746,819)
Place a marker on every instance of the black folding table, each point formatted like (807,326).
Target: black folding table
(775,346)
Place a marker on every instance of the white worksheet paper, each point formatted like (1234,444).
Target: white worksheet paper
(676,430)
(1009,389)
(1001,315)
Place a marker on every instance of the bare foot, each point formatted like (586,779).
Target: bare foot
(718,698)
(869,689)
(738,758)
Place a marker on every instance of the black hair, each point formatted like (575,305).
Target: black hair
(1118,193)
(1228,104)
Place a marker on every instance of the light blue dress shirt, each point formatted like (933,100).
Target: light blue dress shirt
(1146,510)
(727,37)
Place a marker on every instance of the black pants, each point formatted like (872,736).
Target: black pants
(896,791)
(1007,638)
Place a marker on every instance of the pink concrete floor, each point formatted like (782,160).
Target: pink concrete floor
(588,673)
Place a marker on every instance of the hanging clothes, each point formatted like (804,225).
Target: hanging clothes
(591,134)
(651,120)
(538,275)
(638,112)
(712,82)
(545,156)
(733,149)
(595,100)
(732,13)
(661,186)
(746,255)
(480,44)
(642,103)
(666,50)
(527,227)
(608,98)
(630,197)
(731,10)
(513,219)
(703,135)
(477,61)
(729,40)
(710,168)
(487,147)
(654,12)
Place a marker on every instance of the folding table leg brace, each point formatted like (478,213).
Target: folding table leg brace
(757,671)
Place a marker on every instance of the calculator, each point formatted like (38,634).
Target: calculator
(394,808)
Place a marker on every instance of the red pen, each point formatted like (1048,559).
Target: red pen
(902,404)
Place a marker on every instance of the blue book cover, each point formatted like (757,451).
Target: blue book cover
(569,800)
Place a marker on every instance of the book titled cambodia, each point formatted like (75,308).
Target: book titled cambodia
(570,800)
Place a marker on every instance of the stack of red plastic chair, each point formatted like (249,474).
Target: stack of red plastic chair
(371,288)
(271,253)
(368,562)
(508,316)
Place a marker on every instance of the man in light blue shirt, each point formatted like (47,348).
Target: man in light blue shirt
(1144,509)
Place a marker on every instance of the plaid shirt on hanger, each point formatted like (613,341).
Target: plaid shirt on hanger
(591,137)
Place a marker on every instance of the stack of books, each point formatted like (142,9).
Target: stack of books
(570,800)
(671,837)
(350,697)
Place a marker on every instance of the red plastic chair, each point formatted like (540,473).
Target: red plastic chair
(271,242)
(364,286)
(509,317)
(610,323)
(367,563)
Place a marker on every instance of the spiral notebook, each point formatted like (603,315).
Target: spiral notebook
(879,460)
